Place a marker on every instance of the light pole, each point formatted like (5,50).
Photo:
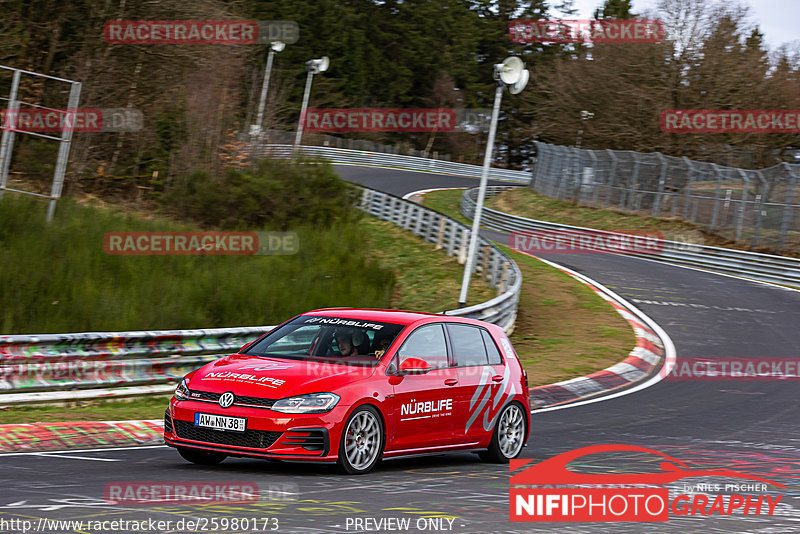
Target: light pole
(314,66)
(512,74)
(585,115)
(274,47)
(255,129)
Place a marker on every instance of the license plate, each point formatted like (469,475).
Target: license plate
(220,422)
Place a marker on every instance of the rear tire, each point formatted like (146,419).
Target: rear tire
(361,446)
(201,457)
(508,437)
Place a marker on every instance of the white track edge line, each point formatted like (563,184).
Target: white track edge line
(669,347)
(424,191)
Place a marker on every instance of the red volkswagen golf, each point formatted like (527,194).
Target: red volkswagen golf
(353,386)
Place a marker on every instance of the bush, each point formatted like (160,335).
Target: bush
(57,277)
(276,195)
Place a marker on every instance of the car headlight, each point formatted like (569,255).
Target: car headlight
(182,391)
(312,403)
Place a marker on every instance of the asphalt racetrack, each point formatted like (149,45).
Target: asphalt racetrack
(743,426)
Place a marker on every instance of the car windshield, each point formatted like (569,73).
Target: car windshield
(328,339)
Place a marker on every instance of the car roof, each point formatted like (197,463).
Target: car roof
(384,316)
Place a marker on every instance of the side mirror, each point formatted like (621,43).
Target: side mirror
(414,366)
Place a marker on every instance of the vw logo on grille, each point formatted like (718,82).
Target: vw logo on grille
(226,399)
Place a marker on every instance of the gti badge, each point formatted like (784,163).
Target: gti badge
(226,399)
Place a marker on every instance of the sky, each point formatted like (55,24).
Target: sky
(777,19)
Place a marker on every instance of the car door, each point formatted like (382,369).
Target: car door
(422,413)
(479,371)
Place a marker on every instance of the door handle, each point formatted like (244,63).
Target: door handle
(451,382)
(497,378)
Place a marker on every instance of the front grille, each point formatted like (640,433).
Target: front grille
(253,439)
(254,401)
(238,399)
(204,395)
(167,422)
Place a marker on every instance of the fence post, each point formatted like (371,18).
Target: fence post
(662,178)
(7,143)
(742,204)
(718,191)
(760,207)
(688,187)
(611,176)
(787,208)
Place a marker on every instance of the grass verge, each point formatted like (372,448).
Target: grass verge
(420,276)
(427,279)
(564,329)
(150,407)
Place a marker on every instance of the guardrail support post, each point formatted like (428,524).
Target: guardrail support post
(485,262)
(440,236)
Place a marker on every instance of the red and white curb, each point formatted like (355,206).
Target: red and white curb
(39,437)
(653,349)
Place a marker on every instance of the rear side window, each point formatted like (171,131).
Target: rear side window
(468,345)
(491,349)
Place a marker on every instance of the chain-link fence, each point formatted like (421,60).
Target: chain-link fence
(759,207)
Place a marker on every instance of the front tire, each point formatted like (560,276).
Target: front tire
(362,443)
(201,457)
(508,437)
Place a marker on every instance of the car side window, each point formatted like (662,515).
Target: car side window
(491,349)
(468,345)
(426,343)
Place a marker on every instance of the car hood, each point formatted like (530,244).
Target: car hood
(273,378)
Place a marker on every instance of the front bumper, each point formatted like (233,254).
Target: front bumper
(304,437)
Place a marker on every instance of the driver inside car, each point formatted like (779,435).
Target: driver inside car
(349,342)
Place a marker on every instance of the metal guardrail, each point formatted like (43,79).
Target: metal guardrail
(110,359)
(764,267)
(61,362)
(412,163)
(491,263)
